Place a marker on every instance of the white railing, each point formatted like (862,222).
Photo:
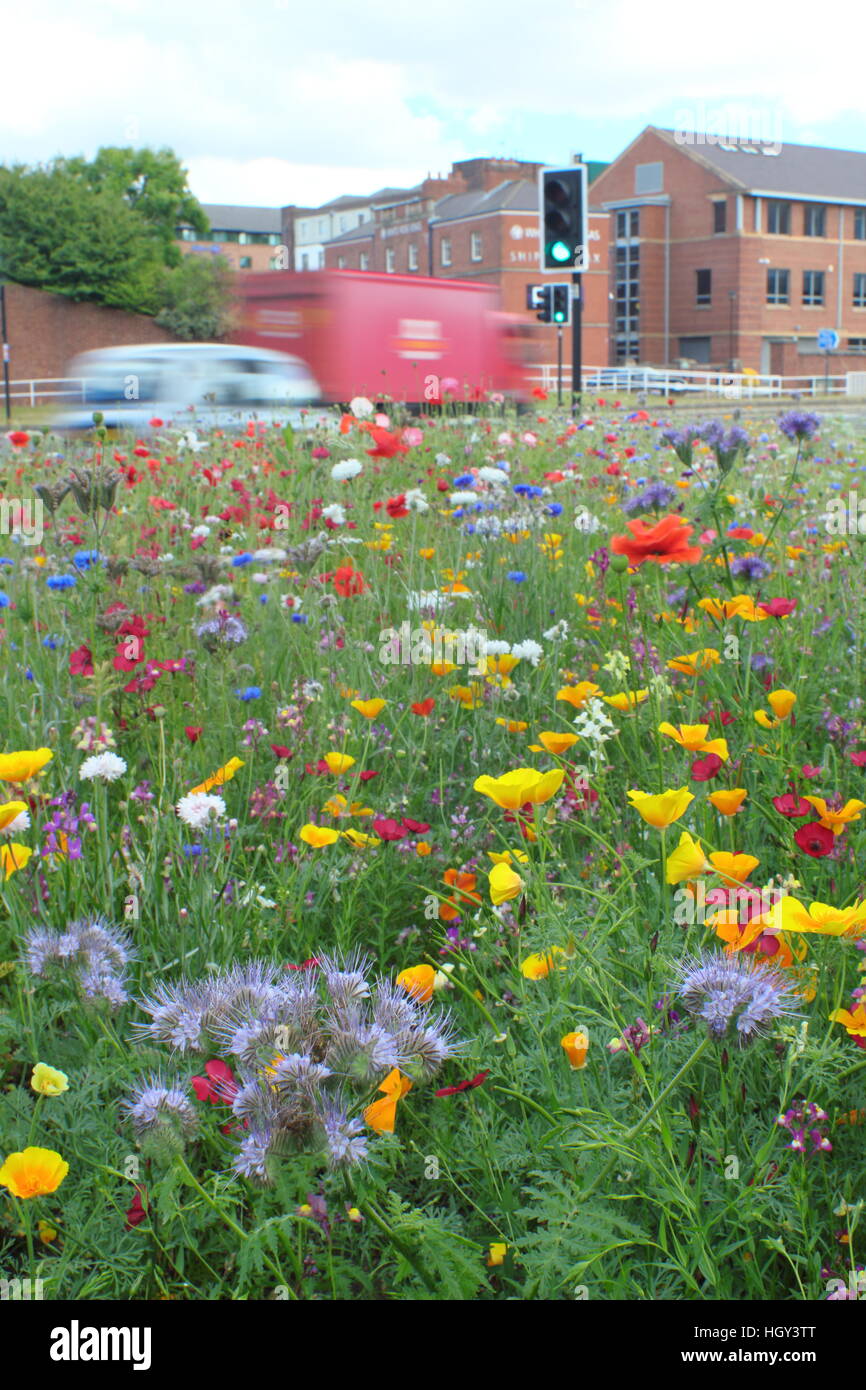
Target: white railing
(672,381)
(39,389)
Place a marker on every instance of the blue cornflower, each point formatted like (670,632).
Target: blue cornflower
(250,692)
(243,559)
(61,581)
(516,576)
(4,600)
(83,559)
(465,480)
(300,618)
(50,643)
(555,509)
(263,598)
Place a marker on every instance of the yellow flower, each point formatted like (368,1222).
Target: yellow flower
(13,857)
(781,702)
(497,1253)
(339,762)
(664,808)
(508,856)
(514,789)
(539,965)
(686,861)
(728,802)
(46,1081)
(514,726)
(578,695)
(552,742)
(824,919)
(319,835)
(359,839)
(854,1023)
(418,981)
(442,668)
(10,811)
(47,1232)
(626,699)
(505,884)
(337,805)
(427,552)
(33,1173)
(21,766)
(469,696)
(220,777)
(740,606)
(576,1047)
(382,1113)
(835,820)
(693,662)
(502,665)
(693,737)
(734,868)
(369,708)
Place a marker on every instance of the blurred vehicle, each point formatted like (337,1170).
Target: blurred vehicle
(192,384)
(402,338)
(650,379)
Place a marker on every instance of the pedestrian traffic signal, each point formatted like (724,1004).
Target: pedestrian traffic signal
(551,302)
(560,304)
(562,209)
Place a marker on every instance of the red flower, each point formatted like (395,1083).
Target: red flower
(778,607)
(18,438)
(388,829)
(813,839)
(704,769)
(417,827)
(666,543)
(810,770)
(539,393)
(136,1213)
(424,708)
(282,751)
(348,581)
(367,776)
(155,423)
(858,759)
(464,1085)
(741,533)
(81,662)
(193,732)
(396,506)
(218,1085)
(317,769)
(307,964)
(387,444)
(792,806)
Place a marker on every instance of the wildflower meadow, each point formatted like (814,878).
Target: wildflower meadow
(432,858)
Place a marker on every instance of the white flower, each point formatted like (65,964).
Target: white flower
(442,460)
(557,633)
(290,601)
(311,689)
(347,468)
(428,598)
(497,648)
(19,824)
(416,501)
(361,408)
(585,521)
(198,809)
(270,555)
(190,440)
(201,531)
(106,766)
(334,513)
(457,499)
(214,595)
(259,577)
(528,651)
(492,475)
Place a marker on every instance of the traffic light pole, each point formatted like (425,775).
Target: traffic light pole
(5,350)
(559,366)
(576,347)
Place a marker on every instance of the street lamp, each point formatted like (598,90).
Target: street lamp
(732,299)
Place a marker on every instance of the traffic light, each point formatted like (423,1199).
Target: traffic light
(562,210)
(560,304)
(551,302)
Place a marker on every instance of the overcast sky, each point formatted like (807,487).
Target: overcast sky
(277,101)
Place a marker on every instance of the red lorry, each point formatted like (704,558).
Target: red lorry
(388,337)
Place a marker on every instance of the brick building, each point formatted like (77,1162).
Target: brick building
(480,222)
(250,238)
(735,252)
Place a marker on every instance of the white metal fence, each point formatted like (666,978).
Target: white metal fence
(674,382)
(45,389)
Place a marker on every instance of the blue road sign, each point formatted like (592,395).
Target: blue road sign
(828,340)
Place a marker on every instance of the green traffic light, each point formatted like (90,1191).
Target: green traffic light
(559,318)
(559,251)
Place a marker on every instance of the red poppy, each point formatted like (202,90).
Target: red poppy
(666,543)
(741,533)
(307,964)
(155,423)
(396,506)
(858,759)
(417,827)
(388,829)
(424,708)
(348,581)
(218,1085)
(810,770)
(193,732)
(778,607)
(814,839)
(367,776)
(136,1213)
(18,438)
(704,769)
(81,662)
(464,1085)
(282,752)
(539,393)
(792,806)
(317,769)
(387,444)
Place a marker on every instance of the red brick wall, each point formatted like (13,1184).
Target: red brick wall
(46,330)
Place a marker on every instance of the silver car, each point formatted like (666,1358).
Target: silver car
(192,385)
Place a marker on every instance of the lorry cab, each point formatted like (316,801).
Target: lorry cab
(189,384)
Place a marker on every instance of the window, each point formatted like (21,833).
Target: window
(321,226)
(860,224)
(321,260)
(343,227)
(648,178)
(341,262)
(445,251)
(246,263)
(475,247)
(186,234)
(627,224)
(720,211)
(813,287)
(778,217)
(857,344)
(627,301)
(413,256)
(814,220)
(220,236)
(243,238)
(703,287)
(274,239)
(362,217)
(389,259)
(696,350)
(305,262)
(365,260)
(778,287)
(859,300)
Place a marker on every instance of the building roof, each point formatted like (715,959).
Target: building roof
(229,217)
(513,195)
(362,233)
(806,171)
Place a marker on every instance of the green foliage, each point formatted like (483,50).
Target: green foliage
(195,299)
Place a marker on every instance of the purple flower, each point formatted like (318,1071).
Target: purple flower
(750,567)
(799,424)
(655,497)
(726,989)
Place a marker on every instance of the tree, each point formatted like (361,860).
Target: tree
(57,235)
(196,298)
